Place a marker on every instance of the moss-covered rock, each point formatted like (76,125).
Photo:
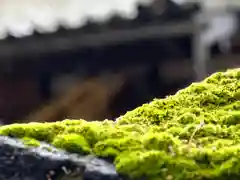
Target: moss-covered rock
(194,134)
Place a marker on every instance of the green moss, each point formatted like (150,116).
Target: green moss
(192,135)
(31,142)
(72,143)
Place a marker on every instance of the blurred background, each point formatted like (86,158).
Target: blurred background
(98,59)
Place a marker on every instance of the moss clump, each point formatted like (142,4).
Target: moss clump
(72,142)
(192,135)
(30,142)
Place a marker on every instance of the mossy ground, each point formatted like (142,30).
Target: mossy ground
(192,135)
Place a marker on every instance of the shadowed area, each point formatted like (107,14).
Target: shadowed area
(88,100)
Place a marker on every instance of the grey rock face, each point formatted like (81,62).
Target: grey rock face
(18,162)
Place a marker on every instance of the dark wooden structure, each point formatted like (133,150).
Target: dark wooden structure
(29,65)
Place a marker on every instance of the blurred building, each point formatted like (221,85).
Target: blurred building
(45,46)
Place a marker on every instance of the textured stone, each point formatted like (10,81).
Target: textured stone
(45,162)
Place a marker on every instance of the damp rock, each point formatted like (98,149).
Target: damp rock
(45,162)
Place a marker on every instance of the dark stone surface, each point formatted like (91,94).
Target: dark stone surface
(18,162)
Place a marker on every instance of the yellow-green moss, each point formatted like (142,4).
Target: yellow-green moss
(72,142)
(192,135)
(30,142)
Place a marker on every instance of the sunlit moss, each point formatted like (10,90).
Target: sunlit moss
(192,135)
(30,142)
(72,142)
